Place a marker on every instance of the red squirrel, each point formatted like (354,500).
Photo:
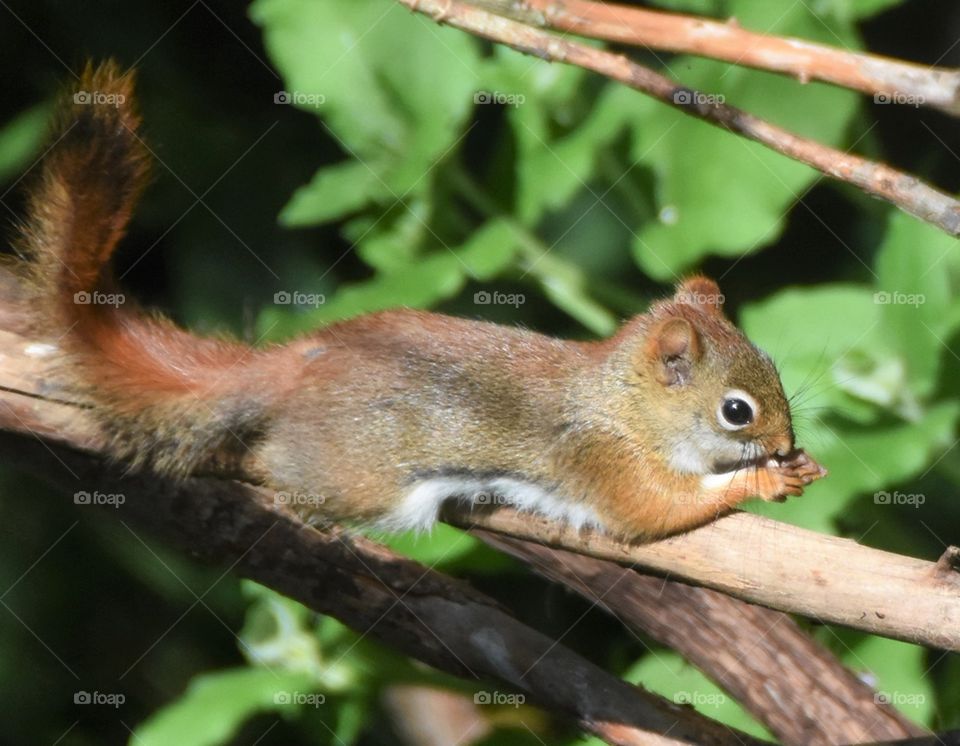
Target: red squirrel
(671,422)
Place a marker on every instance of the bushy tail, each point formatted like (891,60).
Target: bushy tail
(91,177)
(164,396)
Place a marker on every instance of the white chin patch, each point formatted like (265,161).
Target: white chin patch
(687,457)
(699,453)
(421,505)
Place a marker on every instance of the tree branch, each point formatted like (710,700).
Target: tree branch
(780,566)
(907,192)
(431,617)
(894,80)
(735,644)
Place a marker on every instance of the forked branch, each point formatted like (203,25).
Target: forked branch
(907,192)
(825,578)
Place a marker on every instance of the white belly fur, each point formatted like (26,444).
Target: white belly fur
(421,505)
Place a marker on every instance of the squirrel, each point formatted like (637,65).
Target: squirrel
(671,422)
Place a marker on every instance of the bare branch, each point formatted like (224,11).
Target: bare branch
(907,192)
(434,618)
(761,657)
(784,567)
(895,80)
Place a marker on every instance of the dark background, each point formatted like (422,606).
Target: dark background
(83,594)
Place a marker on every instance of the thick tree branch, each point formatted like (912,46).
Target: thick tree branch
(907,192)
(825,578)
(888,80)
(733,642)
(761,657)
(431,617)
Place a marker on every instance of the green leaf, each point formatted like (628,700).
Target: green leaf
(364,61)
(852,367)
(352,716)
(393,239)
(525,83)
(670,676)
(551,169)
(853,417)
(845,10)
(279,634)
(335,191)
(867,459)
(489,250)
(718,193)
(450,550)
(442,546)
(215,705)
(419,285)
(913,289)
(565,284)
(852,10)
(697,7)
(822,363)
(948,694)
(20,140)
(275,635)
(899,673)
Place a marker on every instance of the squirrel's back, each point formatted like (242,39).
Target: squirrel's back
(172,399)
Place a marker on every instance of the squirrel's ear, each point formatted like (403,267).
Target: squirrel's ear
(700,291)
(672,347)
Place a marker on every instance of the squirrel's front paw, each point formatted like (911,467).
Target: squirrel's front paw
(790,475)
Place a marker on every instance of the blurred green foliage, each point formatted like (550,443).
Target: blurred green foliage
(413,165)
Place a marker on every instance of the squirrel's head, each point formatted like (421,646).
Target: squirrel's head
(716,399)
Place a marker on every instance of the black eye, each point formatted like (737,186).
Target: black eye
(735,413)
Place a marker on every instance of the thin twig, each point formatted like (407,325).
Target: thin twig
(879,180)
(888,80)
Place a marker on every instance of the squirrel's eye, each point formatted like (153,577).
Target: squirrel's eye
(737,410)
